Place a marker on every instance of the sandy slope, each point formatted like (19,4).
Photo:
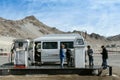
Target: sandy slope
(5,44)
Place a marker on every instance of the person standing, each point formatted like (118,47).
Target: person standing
(62,56)
(90,55)
(69,57)
(104,57)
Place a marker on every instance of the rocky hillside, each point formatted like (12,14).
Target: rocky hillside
(28,27)
(114,38)
(94,40)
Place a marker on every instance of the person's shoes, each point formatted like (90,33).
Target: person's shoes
(62,67)
(92,64)
(104,67)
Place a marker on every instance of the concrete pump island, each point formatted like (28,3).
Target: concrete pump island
(43,56)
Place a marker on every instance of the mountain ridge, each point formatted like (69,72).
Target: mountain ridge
(30,27)
(32,19)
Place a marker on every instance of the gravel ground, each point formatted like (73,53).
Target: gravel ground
(58,77)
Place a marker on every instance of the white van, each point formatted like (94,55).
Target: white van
(47,47)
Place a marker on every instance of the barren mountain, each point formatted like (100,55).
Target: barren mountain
(94,40)
(28,27)
(114,38)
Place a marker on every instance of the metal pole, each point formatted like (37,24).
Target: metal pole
(110,71)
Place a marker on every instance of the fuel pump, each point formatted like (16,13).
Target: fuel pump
(20,53)
(79,50)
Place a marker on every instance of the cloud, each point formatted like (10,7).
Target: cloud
(87,28)
(100,16)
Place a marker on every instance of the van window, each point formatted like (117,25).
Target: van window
(79,42)
(68,44)
(50,45)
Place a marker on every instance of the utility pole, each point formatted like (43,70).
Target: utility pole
(85,34)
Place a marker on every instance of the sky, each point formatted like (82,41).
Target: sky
(94,16)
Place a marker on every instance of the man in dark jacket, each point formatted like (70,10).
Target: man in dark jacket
(104,57)
(69,57)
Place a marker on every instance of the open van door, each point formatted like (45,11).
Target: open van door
(37,53)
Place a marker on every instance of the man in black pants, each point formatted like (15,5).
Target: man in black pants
(104,57)
(69,57)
